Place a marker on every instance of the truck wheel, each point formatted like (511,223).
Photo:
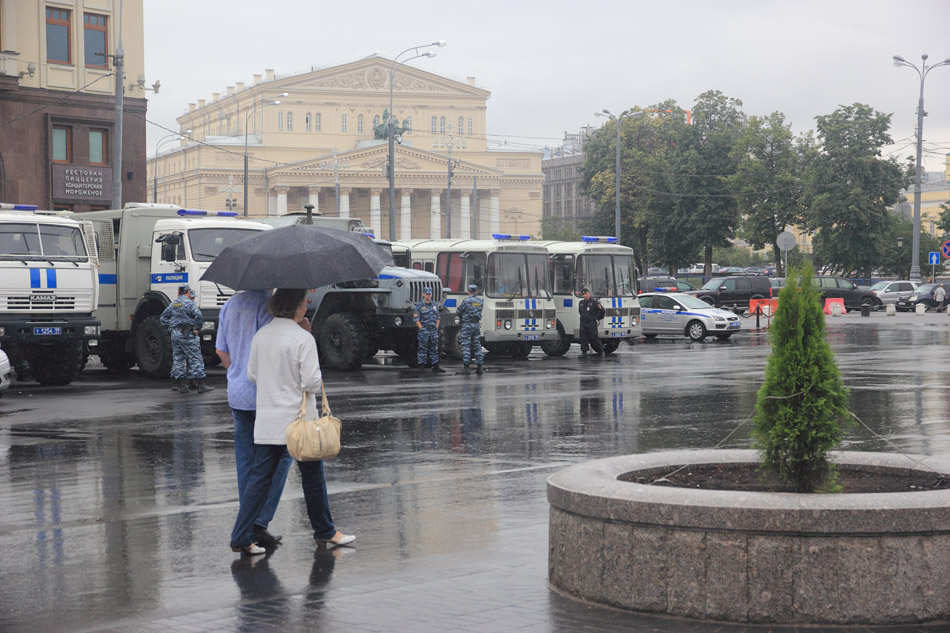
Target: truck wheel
(116,361)
(58,364)
(211,360)
(610,345)
(153,349)
(519,351)
(453,344)
(343,342)
(559,346)
(407,348)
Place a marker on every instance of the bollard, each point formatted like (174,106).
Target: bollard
(865,310)
(890,310)
(920,309)
(835,309)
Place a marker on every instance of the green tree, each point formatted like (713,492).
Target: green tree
(802,407)
(944,222)
(769,180)
(849,188)
(556,228)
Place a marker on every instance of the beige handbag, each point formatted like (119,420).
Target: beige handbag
(311,440)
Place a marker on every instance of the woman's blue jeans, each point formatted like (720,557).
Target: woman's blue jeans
(266,462)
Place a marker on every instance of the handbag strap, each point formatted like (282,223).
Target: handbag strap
(326,404)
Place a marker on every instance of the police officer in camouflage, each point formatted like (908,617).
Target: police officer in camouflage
(425,314)
(470,313)
(182,319)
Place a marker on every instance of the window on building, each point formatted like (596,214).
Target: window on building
(375,121)
(442,125)
(461,127)
(95,42)
(290,121)
(434,123)
(58,44)
(62,145)
(471,128)
(359,123)
(98,148)
(308,122)
(316,122)
(343,123)
(280,121)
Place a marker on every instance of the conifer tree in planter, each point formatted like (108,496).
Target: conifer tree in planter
(802,407)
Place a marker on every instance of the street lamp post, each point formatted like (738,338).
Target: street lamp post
(448,142)
(169,137)
(900,246)
(336,163)
(922,71)
(617,119)
(391,128)
(246,119)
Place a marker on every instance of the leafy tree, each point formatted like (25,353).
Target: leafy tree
(738,256)
(849,188)
(768,180)
(944,222)
(802,407)
(556,228)
(704,162)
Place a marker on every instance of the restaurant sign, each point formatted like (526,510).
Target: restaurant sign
(71,182)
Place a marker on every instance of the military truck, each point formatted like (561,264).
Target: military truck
(48,293)
(353,320)
(146,251)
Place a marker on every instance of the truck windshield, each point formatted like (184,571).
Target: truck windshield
(27,240)
(206,244)
(517,275)
(605,275)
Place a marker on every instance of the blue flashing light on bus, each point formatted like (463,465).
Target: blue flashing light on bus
(509,236)
(199,212)
(598,238)
(370,236)
(19,207)
(191,212)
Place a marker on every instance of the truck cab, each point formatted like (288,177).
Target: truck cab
(49,290)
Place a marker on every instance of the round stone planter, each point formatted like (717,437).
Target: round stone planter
(751,557)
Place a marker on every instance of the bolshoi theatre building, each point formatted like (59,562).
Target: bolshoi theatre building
(325,144)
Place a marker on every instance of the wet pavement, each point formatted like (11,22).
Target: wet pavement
(117,496)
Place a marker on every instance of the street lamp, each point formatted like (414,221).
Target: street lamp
(900,246)
(617,119)
(246,119)
(922,71)
(390,128)
(176,136)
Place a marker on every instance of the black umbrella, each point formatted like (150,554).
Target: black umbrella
(298,256)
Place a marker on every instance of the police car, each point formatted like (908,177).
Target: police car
(675,313)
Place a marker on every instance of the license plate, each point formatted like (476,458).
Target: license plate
(47,330)
(734,324)
(616,335)
(531,337)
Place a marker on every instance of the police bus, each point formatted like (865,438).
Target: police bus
(512,276)
(607,269)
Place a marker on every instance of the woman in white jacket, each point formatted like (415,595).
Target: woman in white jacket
(284,364)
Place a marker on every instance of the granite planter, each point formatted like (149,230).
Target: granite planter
(751,557)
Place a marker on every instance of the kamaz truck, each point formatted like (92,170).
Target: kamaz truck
(146,251)
(353,320)
(48,293)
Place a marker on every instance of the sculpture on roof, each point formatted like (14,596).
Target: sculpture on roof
(380,130)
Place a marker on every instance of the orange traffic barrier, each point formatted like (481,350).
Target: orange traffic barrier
(832,300)
(764,306)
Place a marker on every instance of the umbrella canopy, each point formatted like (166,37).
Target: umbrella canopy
(298,256)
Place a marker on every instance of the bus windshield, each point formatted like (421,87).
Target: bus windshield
(513,275)
(459,270)
(29,240)
(206,244)
(605,275)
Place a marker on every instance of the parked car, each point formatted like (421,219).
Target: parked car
(932,295)
(664,284)
(839,287)
(734,291)
(4,372)
(680,314)
(892,291)
(777,284)
(733,270)
(756,270)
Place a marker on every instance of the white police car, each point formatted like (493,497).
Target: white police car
(4,372)
(680,314)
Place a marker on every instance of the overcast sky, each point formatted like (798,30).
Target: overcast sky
(551,64)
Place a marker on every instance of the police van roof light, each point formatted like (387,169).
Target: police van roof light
(598,238)
(18,207)
(509,236)
(227,214)
(191,212)
(370,236)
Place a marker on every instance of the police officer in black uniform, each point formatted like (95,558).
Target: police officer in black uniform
(591,311)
